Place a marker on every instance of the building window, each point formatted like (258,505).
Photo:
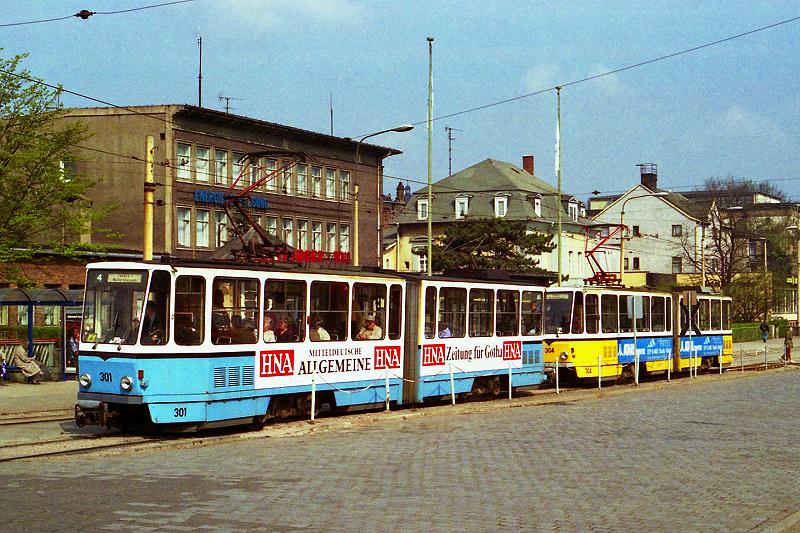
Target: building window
(676,265)
(255,171)
(422,209)
(625,263)
(636,231)
(220,228)
(636,263)
(238,162)
(220,167)
(184,226)
(286,180)
(316,182)
(184,170)
(573,210)
(344,237)
(537,206)
(500,206)
(201,166)
(67,169)
(330,237)
(677,230)
(423,263)
(302,234)
(344,186)
(201,228)
(257,220)
(583,210)
(316,235)
(272,226)
(302,182)
(330,183)
(462,207)
(288,231)
(270,179)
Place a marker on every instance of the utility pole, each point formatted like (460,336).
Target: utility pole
(450,138)
(331,108)
(430,156)
(200,73)
(149,189)
(558,175)
(355,225)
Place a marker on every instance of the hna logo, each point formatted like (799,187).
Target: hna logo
(433,355)
(387,357)
(276,363)
(512,350)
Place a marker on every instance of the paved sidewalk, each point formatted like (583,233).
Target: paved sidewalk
(22,398)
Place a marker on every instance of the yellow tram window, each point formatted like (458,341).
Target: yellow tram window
(592,313)
(481,304)
(557,312)
(608,309)
(657,313)
(643,324)
(577,313)
(726,314)
(668,313)
(716,315)
(625,321)
(703,315)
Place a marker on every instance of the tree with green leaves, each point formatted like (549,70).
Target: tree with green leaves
(43,205)
(492,243)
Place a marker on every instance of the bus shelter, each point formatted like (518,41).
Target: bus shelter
(46,317)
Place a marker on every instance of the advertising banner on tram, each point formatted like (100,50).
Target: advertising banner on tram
(649,349)
(701,345)
(470,355)
(293,365)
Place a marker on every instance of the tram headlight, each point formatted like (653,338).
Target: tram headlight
(563,356)
(85,380)
(126,383)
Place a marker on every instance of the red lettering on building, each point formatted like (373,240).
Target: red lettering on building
(433,355)
(276,363)
(512,350)
(386,357)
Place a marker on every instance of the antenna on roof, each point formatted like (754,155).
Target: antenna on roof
(450,138)
(200,72)
(331,108)
(228,102)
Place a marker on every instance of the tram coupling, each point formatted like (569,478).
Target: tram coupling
(91,413)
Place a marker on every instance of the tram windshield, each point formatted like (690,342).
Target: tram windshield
(557,311)
(113,305)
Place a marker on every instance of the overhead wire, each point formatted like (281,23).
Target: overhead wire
(85,14)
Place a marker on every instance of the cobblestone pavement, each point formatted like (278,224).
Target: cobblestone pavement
(711,456)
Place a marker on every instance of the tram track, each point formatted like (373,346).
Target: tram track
(72,445)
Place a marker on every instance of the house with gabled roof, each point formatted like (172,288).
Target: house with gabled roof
(490,189)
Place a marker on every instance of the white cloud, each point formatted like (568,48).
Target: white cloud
(290,17)
(542,76)
(608,86)
(737,122)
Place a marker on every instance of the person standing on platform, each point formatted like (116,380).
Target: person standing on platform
(788,344)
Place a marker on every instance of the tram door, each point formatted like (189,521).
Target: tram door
(410,352)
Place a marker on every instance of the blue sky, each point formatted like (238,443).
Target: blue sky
(732,109)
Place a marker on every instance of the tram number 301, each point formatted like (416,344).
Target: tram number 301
(180,412)
(105,376)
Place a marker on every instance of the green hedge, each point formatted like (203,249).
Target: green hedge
(748,331)
(21,332)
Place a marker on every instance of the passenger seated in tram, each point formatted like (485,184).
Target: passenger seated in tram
(445,332)
(269,334)
(371,329)
(284,331)
(316,332)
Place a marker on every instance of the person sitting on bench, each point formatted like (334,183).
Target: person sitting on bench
(29,368)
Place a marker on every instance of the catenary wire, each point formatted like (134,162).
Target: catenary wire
(86,14)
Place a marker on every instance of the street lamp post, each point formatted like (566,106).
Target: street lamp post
(399,129)
(797,278)
(622,228)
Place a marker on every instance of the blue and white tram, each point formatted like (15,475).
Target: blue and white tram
(203,345)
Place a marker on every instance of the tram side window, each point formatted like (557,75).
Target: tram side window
(625,321)
(285,312)
(368,311)
(668,312)
(703,315)
(557,311)
(430,312)
(481,302)
(329,300)
(532,312)
(592,313)
(577,313)
(190,302)
(726,314)
(643,324)
(234,311)
(716,315)
(395,321)
(608,309)
(507,313)
(452,312)
(657,313)
(155,322)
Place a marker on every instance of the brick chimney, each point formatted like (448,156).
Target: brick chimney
(649,175)
(527,164)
